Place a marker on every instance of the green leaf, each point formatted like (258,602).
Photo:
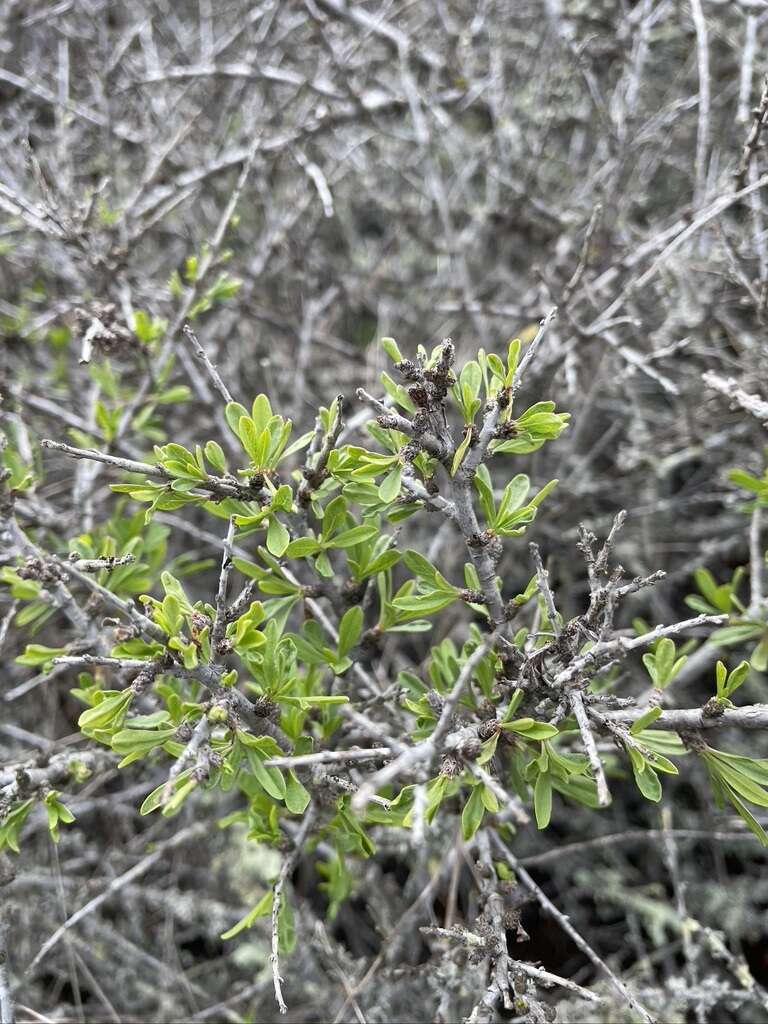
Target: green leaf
(488,749)
(262,909)
(278,537)
(531,729)
(11,826)
(314,700)
(513,496)
(389,488)
(728,635)
(747,817)
(390,347)
(436,791)
(350,628)
(647,782)
(357,535)
(261,412)
(489,798)
(419,565)
(473,813)
(742,784)
(461,451)
(129,741)
(424,604)
(296,796)
(233,413)
(110,710)
(759,658)
(270,779)
(215,455)
(542,799)
(646,719)
(301,547)
(37,654)
(286,931)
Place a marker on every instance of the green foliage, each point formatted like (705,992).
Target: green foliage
(738,780)
(226,690)
(11,826)
(662,664)
(755,485)
(148,329)
(728,682)
(57,813)
(745,624)
(646,759)
(514,511)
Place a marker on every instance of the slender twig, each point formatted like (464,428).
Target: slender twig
(576,701)
(630,836)
(200,736)
(607,650)
(753,404)
(329,757)
(547,979)
(397,421)
(756,561)
(210,369)
(702,137)
(581,266)
(752,141)
(478,452)
(548,907)
(542,582)
(277,896)
(220,620)
(530,352)
(214,484)
(689,719)
(669,847)
(127,465)
(158,854)
(6,1002)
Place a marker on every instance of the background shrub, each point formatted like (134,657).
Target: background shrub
(335,682)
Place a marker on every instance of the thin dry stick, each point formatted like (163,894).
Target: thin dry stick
(547,979)
(215,484)
(702,138)
(6,1003)
(277,896)
(581,266)
(678,887)
(650,835)
(755,716)
(576,700)
(447,865)
(329,757)
(756,558)
(752,141)
(200,736)
(210,369)
(117,884)
(548,906)
(220,621)
(715,208)
(728,386)
(542,582)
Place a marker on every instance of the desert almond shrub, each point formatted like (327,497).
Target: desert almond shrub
(268,704)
